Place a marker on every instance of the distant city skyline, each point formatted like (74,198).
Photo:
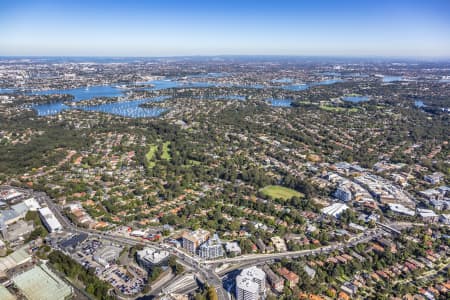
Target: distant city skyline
(185,28)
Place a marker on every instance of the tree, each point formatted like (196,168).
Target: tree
(212,294)
(175,266)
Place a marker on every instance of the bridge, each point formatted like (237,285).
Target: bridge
(389,228)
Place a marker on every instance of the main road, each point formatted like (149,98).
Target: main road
(207,274)
(205,268)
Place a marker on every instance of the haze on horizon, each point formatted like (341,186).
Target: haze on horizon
(178,28)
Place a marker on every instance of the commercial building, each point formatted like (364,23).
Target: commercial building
(192,240)
(440,204)
(17,230)
(21,209)
(400,209)
(107,255)
(71,243)
(17,258)
(428,215)
(433,194)
(434,178)
(246,289)
(49,220)
(8,217)
(343,193)
(138,233)
(251,284)
(335,209)
(41,283)
(5,294)
(32,204)
(149,257)
(9,195)
(212,248)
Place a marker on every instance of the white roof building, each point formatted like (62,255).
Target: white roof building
(400,209)
(445,218)
(49,220)
(138,233)
(9,194)
(151,256)
(251,284)
(427,214)
(335,209)
(246,289)
(233,247)
(32,204)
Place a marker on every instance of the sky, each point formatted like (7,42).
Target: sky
(397,28)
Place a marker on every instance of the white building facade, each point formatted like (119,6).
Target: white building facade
(251,284)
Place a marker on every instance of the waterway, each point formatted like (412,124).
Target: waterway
(280,102)
(355,99)
(86,93)
(419,104)
(389,78)
(132,108)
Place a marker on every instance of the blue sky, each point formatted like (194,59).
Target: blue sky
(183,27)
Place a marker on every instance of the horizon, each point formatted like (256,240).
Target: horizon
(231,56)
(361,29)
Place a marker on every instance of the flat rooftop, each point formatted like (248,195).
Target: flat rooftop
(5,294)
(40,283)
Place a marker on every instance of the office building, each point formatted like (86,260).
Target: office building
(149,257)
(343,193)
(251,284)
(49,220)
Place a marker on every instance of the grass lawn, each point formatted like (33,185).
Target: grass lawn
(150,154)
(280,192)
(166,152)
(152,151)
(193,162)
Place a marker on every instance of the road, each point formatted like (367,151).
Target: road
(291,254)
(205,268)
(206,273)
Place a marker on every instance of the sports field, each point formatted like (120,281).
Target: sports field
(280,192)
